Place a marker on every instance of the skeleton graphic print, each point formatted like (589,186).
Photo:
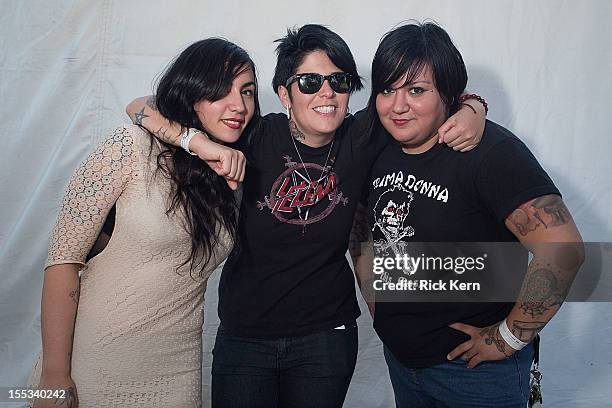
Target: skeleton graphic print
(390,217)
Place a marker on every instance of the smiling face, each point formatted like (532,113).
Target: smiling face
(226,118)
(412,113)
(317,115)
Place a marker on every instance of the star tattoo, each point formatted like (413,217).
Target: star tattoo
(139,116)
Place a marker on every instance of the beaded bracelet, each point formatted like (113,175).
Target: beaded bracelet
(479,98)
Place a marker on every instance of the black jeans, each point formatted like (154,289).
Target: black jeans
(292,372)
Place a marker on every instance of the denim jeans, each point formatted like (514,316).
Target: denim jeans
(499,384)
(292,372)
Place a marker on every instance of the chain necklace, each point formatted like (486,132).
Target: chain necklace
(306,169)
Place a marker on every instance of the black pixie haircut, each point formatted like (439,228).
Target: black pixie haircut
(298,43)
(410,49)
(194,76)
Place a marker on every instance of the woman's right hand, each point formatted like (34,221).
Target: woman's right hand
(65,384)
(226,162)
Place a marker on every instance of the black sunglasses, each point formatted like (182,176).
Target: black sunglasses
(310,83)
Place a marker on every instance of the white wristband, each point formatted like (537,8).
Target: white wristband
(186,138)
(510,338)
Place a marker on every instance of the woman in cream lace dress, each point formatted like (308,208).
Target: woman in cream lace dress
(127,333)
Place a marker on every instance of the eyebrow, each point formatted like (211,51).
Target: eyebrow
(252,83)
(418,82)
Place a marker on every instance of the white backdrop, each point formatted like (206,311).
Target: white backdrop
(68,68)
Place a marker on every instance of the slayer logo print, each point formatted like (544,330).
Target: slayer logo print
(304,193)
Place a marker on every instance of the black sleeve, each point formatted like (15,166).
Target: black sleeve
(251,142)
(248,138)
(368,140)
(508,176)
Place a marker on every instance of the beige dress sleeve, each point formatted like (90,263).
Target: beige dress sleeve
(94,187)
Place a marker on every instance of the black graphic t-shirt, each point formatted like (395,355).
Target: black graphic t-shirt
(446,196)
(289,274)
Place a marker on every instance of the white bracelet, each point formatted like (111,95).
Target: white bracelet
(186,138)
(510,338)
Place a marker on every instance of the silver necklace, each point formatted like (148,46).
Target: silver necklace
(304,166)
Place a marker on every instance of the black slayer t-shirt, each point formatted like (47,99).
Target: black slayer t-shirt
(446,196)
(289,274)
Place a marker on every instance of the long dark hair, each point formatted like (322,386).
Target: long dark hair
(203,71)
(409,49)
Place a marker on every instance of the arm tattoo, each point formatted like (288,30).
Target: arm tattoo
(151,103)
(541,292)
(69,399)
(548,211)
(161,133)
(74,295)
(295,132)
(526,331)
(140,116)
(552,205)
(491,336)
(359,232)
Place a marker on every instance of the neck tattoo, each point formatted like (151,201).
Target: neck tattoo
(295,132)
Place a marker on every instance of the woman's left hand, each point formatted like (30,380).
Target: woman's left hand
(485,344)
(464,129)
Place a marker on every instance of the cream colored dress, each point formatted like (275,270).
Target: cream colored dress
(137,338)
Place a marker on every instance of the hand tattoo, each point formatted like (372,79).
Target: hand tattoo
(491,336)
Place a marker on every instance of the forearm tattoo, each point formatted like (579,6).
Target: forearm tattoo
(161,133)
(491,335)
(74,295)
(542,292)
(69,399)
(526,331)
(547,211)
(546,286)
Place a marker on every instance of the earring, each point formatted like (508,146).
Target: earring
(288,112)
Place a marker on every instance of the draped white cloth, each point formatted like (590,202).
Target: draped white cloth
(68,68)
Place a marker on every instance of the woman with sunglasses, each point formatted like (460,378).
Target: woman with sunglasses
(287,302)
(135,339)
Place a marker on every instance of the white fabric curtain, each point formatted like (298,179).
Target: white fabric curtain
(69,67)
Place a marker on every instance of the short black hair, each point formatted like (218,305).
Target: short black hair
(203,71)
(410,49)
(298,43)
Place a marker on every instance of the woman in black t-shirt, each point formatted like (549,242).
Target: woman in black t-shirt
(286,298)
(457,354)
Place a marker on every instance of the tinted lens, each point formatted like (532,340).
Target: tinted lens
(310,83)
(340,82)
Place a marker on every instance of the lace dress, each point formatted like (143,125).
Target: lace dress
(138,330)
